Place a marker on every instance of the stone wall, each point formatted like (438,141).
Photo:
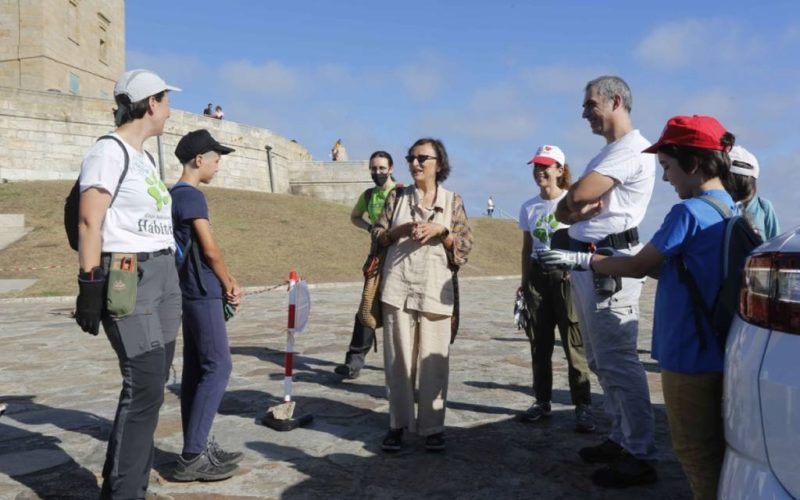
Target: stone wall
(45,135)
(74,46)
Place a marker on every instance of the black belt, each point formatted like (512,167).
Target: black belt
(625,239)
(145,256)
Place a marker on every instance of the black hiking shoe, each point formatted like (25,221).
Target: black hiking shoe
(603,453)
(435,442)
(224,457)
(345,371)
(537,411)
(625,471)
(393,441)
(203,467)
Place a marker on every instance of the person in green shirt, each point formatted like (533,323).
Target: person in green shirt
(370,203)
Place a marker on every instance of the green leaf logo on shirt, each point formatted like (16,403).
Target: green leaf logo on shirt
(157,190)
(544,226)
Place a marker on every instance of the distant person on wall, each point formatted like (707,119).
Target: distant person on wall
(205,281)
(757,210)
(547,294)
(490,206)
(207,111)
(370,203)
(338,152)
(218,114)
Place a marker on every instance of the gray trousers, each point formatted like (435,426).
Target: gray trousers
(144,342)
(610,329)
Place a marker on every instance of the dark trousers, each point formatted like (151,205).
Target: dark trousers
(144,342)
(360,343)
(207,368)
(547,294)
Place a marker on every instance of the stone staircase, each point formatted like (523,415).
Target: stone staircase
(12,228)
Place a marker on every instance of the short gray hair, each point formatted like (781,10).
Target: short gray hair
(608,86)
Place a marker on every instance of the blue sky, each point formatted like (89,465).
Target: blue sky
(493,80)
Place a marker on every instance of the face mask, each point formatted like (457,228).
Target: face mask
(379,179)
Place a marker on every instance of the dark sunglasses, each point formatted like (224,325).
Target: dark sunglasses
(420,158)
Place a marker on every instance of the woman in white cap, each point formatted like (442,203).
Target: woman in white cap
(127,275)
(757,210)
(547,294)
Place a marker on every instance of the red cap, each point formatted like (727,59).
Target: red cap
(696,131)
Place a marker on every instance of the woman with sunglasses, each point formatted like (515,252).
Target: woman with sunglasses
(693,151)
(547,294)
(425,229)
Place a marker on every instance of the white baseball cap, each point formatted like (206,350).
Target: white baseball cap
(741,155)
(548,155)
(140,84)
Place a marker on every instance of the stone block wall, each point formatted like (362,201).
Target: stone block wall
(44,136)
(73,46)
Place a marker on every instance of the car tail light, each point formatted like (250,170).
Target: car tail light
(770,294)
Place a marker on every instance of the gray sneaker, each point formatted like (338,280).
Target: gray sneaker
(224,457)
(537,411)
(584,419)
(203,467)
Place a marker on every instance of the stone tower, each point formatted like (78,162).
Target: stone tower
(74,47)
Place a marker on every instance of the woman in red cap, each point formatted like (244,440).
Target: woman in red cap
(547,293)
(693,152)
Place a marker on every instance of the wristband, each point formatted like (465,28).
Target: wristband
(445,234)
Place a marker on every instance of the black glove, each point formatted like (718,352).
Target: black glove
(91,299)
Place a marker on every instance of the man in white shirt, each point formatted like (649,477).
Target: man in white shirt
(604,209)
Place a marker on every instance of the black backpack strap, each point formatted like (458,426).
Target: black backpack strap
(124,169)
(718,205)
(686,276)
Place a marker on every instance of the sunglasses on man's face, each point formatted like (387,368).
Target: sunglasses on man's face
(420,158)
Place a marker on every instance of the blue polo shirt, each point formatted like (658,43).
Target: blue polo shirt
(188,204)
(694,230)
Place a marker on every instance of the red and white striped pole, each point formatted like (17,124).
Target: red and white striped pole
(288,361)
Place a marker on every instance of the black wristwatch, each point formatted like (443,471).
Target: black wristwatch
(444,235)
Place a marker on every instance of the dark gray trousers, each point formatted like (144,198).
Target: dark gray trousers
(144,342)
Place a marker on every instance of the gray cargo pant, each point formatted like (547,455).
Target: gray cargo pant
(610,329)
(144,342)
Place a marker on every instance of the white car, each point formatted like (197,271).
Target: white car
(761,398)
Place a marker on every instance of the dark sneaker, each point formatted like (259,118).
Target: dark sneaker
(347,372)
(537,411)
(626,471)
(393,440)
(224,457)
(603,453)
(203,467)
(435,442)
(584,419)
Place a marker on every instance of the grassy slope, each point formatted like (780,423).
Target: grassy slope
(263,237)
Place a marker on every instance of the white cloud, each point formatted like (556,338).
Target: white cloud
(424,79)
(176,69)
(561,79)
(271,78)
(697,43)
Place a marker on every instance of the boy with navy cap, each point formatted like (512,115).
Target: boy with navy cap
(205,282)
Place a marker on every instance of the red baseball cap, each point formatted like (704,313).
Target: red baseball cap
(696,131)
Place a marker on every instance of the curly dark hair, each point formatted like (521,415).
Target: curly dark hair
(441,155)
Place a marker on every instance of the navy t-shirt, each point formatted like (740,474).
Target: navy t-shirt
(188,204)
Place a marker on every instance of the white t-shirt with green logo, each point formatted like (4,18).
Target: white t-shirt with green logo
(140,219)
(537,216)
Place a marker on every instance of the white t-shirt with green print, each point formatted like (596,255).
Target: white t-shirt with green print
(140,220)
(537,216)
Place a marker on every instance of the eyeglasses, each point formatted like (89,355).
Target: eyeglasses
(420,158)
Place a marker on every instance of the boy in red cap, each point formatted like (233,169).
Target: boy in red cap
(693,152)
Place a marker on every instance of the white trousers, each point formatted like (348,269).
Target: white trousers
(416,346)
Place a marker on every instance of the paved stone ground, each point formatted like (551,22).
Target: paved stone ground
(61,387)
